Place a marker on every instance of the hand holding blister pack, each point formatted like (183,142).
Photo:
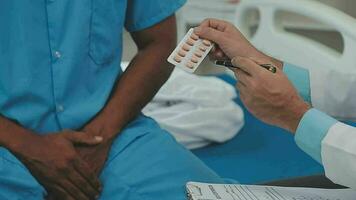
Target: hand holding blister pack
(190,52)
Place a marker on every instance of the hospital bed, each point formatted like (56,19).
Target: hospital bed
(272,37)
(261,152)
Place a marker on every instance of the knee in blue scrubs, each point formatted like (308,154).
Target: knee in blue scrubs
(147,163)
(16,182)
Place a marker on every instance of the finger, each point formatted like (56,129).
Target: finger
(57,193)
(243,96)
(242,91)
(210,34)
(259,60)
(51,197)
(83,185)
(240,86)
(84,178)
(85,171)
(74,190)
(264,61)
(242,76)
(247,65)
(218,54)
(215,23)
(81,138)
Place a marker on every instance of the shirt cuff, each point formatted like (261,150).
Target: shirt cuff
(311,131)
(300,79)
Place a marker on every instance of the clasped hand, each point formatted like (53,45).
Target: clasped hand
(67,164)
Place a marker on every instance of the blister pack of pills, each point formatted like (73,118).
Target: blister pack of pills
(190,52)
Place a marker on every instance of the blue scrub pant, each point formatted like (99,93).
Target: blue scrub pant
(145,162)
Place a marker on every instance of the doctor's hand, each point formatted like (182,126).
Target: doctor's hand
(269,96)
(229,41)
(54,162)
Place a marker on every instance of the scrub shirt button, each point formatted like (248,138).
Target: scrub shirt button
(60,108)
(57,54)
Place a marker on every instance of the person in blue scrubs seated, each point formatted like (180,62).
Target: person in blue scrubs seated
(71,125)
(296,99)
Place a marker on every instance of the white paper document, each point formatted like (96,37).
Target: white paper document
(205,191)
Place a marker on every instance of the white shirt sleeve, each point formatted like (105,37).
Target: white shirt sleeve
(338,154)
(330,142)
(333,91)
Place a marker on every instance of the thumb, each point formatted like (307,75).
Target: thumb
(210,34)
(81,138)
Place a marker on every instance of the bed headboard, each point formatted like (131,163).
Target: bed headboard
(274,40)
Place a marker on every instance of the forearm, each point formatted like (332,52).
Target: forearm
(145,75)
(12,135)
(147,72)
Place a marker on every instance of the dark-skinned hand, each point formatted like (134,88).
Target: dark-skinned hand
(96,156)
(55,163)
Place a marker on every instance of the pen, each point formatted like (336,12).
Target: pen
(227,63)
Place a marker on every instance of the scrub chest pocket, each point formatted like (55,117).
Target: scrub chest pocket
(107,20)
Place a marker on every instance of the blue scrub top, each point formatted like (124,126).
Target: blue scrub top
(59,59)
